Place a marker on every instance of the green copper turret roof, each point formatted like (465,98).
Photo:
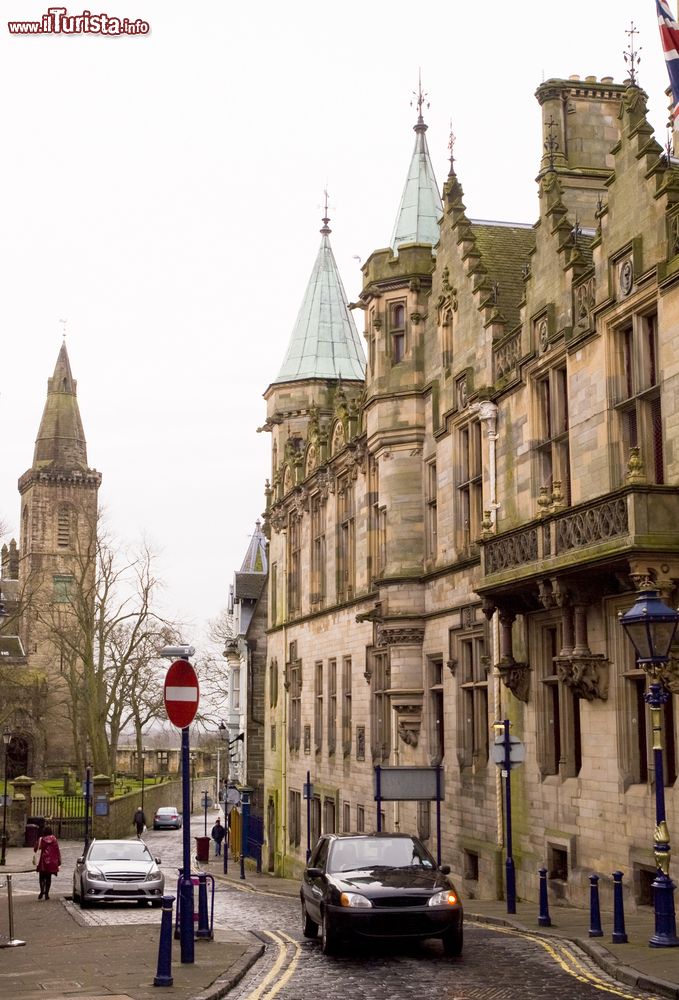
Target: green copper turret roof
(324,342)
(421,206)
(61,440)
(255,558)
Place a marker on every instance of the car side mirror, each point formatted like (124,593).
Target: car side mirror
(314,872)
(80,861)
(157,861)
(444,869)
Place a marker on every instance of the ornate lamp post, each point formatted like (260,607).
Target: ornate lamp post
(651,625)
(6,739)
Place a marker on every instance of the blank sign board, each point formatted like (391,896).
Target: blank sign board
(408,784)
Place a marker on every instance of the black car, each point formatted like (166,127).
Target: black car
(378,885)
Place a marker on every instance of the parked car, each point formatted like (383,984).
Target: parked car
(379,885)
(167,818)
(118,870)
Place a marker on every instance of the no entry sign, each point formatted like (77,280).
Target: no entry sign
(181,694)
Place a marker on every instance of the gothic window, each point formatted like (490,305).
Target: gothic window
(273,592)
(332,705)
(273,682)
(346,550)
(436,730)
(360,742)
(317,550)
(360,819)
(235,688)
(25,542)
(294,565)
(338,438)
(294,818)
(346,705)
(397,331)
(346,817)
(64,527)
(378,660)
(559,726)
(551,439)
(318,705)
(307,739)
(469,485)
(637,396)
(295,695)
(62,589)
(431,513)
(329,817)
(378,522)
(475,724)
(315,818)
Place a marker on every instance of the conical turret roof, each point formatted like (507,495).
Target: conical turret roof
(421,206)
(61,440)
(255,557)
(324,343)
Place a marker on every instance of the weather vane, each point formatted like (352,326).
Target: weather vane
(451,145)
(63,327)
(420,97)
(326,230)
(632,57)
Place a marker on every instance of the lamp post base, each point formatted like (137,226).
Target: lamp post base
(665,920)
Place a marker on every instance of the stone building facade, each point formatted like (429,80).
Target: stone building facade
(455,526)
(59,503)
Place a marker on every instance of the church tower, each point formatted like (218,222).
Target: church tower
(59,504)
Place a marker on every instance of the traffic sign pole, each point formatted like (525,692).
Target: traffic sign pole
(186,888)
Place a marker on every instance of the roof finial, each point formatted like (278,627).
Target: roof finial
(551,143)
(420,102)
(63,328)
(326,230)
(632,57)
(451,147)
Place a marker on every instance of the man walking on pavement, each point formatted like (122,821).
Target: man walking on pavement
(218,833)
(139,820)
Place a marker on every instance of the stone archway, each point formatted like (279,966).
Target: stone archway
(18,753)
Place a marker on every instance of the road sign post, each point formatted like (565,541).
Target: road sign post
(181,703)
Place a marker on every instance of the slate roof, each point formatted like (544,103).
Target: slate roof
(249,586)
(324,342)
(505,248)
(417,220)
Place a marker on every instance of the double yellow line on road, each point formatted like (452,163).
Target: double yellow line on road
(285,964)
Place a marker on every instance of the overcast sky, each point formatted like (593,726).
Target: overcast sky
(163,194)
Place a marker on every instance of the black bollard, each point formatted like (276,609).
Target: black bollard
(544,919)
(163,975)
(619,936)
(242,866)
(594,911)
(203,924)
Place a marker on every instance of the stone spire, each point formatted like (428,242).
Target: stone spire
(324,343)
(420,208)
(255,558)
(61,440)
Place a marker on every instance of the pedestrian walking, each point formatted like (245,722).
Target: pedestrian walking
(218,834)
(48,861)
(139,820)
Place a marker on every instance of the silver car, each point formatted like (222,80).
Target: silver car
(118,869)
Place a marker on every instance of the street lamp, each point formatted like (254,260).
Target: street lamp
(650,626)
(193,775)
(6,739)
(143,774)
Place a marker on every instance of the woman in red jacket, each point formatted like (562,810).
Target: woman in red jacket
(49,861)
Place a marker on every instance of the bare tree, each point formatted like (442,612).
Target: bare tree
(107,633)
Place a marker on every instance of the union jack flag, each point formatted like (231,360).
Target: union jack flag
(669,36)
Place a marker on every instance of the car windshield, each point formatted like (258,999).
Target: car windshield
(166,811)
(353,853)
(120,850)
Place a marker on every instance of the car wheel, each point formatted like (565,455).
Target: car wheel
(84,901)
(76,894)
(328,936)
(452,943)
(309,926)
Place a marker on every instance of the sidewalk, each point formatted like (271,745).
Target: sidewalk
(64,957)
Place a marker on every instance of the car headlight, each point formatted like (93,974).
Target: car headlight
(96,873)
(152,876)
(355,899)
(444,898)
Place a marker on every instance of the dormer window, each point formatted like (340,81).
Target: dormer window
(397,330)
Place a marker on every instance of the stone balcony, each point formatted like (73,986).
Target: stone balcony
(605,534)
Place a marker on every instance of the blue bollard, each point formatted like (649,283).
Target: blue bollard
(203,923)
(594,911)
(619,936)
(544,919)
(163,975)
